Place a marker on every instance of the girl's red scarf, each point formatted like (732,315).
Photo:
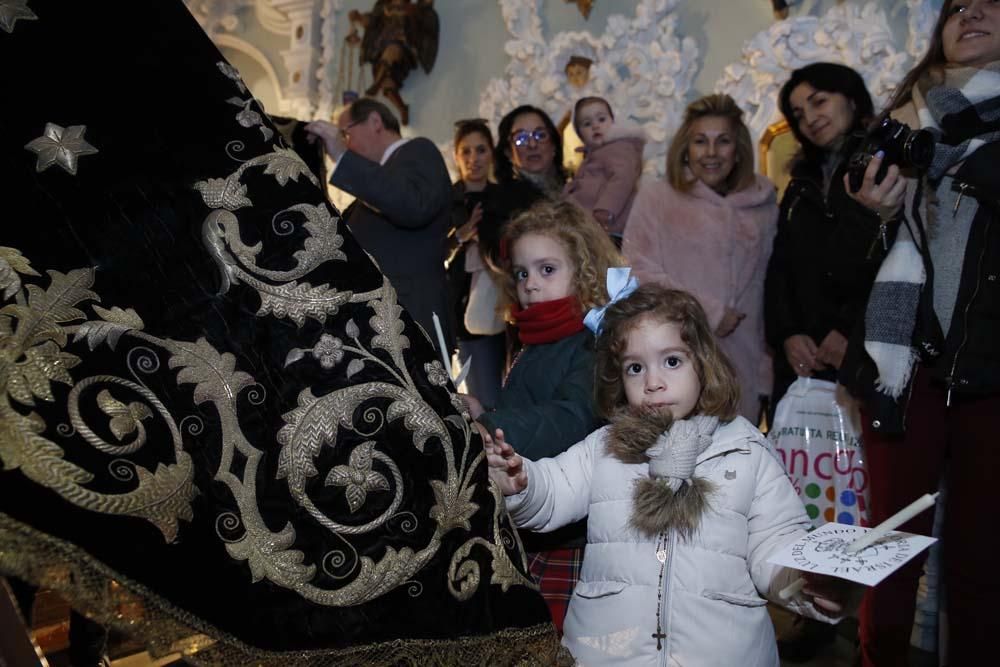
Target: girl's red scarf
(548,321)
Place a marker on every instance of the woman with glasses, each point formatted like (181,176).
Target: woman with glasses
(527,163)
(474,292)
(708,230)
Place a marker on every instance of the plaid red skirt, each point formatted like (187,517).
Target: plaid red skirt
(556,572)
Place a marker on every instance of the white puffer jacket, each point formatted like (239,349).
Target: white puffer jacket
(713,612)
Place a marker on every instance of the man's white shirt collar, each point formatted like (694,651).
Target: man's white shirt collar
(391,149)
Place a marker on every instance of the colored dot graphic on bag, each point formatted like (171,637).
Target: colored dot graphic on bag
(847,498)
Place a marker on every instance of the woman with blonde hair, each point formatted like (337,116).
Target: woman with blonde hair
(708,229)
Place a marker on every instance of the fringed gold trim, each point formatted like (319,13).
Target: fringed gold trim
(129,607)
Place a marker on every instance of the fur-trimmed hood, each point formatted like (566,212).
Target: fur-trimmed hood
(674,496)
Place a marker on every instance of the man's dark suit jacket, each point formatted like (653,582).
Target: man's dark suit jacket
(401,218)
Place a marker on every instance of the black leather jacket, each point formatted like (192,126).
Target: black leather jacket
(825,257)
(969,364)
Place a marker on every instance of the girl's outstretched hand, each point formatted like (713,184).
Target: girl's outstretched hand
(506,466)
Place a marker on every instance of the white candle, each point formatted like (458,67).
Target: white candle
(441,345)
(893,522)
(791,589)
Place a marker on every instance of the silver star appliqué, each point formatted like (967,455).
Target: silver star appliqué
(11,11)
(60,145)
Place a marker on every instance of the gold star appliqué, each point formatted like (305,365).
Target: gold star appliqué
(11,11)
(60,145)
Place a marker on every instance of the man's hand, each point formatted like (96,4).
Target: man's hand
(331,136)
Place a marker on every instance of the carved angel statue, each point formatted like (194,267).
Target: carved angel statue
(399,35)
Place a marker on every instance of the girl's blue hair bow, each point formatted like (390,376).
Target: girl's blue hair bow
(620,285)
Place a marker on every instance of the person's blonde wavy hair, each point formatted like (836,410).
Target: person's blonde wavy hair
(589,249)
(722,106)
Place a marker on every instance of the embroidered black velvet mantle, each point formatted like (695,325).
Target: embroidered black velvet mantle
(209,395)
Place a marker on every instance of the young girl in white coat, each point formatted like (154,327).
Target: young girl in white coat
(686,501)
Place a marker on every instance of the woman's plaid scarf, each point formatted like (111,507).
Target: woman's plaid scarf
(961,108)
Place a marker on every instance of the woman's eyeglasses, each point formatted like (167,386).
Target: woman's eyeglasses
(523,137)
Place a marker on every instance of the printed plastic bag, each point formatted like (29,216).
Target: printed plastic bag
(817,439)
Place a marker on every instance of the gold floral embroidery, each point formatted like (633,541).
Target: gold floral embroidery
(35,331)
(32,356)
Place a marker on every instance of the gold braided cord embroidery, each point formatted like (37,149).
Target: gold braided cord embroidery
(315,422)
(41,324)
(37,330)
(32,356)
(164,496)
(133,609)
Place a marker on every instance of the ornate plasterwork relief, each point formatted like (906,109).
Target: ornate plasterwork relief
(858,35)
(297,90)
(920,24)
(327,101)
(641,64)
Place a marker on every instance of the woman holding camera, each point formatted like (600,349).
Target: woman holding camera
(813,299)
(929,373)
(480,332)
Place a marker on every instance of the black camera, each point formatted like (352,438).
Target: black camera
(910,149)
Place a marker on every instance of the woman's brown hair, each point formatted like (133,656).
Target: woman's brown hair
(588,246)
(722,106)
(932,59)
(720,392)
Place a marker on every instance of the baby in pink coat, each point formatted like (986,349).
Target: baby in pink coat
(606,181)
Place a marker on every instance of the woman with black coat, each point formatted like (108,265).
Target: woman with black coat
(828,247)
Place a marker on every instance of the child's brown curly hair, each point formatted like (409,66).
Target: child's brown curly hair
(720,392)
(588,246)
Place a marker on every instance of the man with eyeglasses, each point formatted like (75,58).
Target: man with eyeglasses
(402,213)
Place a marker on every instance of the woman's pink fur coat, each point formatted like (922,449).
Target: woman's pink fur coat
(717,249)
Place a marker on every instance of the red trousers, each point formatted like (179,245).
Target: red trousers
(960,445)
